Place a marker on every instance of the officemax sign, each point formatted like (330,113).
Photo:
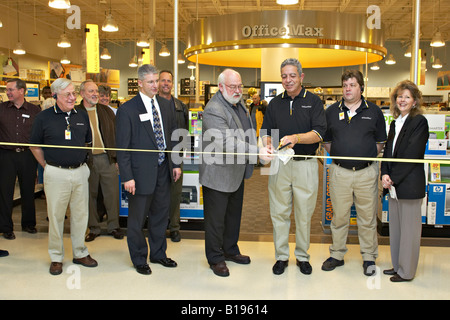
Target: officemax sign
(264,30)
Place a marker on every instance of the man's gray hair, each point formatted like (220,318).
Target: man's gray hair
(60,84)
(146,69)
(83,84)
(292,62)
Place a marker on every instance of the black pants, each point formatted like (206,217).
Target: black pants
(154,207)
(222,211)
(23,166)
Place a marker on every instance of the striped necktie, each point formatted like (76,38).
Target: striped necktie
(158,133)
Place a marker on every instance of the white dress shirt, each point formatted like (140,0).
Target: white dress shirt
(399,122)
(148,105)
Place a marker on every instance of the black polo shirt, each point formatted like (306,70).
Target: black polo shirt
(49,128)
(302,114)
(355,137)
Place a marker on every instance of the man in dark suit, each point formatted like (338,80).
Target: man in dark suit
(146,122)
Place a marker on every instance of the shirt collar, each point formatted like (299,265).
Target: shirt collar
(58,110)
(302,94)
(363,105)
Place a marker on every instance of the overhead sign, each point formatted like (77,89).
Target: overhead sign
(92,49)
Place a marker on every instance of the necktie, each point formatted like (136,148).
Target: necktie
(158,133)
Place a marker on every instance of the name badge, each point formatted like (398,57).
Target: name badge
(25,115)
(67,135)
(144,117)
(341,116)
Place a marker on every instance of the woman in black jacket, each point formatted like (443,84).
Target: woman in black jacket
(405,181)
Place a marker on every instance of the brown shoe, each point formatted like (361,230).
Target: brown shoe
(220,269)
(55,268)
(86,262)
(239,258)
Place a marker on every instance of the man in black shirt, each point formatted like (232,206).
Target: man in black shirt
(355,128)
(65,172)
(297,116)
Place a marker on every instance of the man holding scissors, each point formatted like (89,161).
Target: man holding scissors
(299,117)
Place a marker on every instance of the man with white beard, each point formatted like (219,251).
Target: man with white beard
(226,128)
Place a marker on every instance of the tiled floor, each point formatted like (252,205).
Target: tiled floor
(25,271)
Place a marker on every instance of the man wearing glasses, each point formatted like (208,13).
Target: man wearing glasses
(16,161)
(355,128)
(65,172)
(226,128)
(298,118)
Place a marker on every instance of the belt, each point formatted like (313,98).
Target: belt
(297,158)
(66,167)
(355,168)
(19,149)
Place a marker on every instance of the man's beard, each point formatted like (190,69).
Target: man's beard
(231,98)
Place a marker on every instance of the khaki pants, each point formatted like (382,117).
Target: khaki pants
(361,188)
(296,182)
(63,188)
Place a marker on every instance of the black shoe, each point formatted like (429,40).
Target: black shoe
(305,267)
(4,253)
(279,266)
(91,236)
(397,278)
(175,236)
(369,268)
(390,272)
(331,264)
(117,234)
(143,269)
(29,229)
(166,262)
(9,235)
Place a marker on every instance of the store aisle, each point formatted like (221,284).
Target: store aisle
(25,274)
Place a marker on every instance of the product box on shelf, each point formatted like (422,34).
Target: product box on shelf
(191,206)
(436,145)
(438,210)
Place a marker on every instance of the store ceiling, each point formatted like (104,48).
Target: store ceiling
(131,15)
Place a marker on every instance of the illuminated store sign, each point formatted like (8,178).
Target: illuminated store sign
(298,30)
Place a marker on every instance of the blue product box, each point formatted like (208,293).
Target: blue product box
(438,209)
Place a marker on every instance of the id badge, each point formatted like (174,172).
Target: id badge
(67,134)
(341,116)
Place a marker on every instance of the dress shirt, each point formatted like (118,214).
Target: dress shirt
(16,123)
(148,106)
(399,122)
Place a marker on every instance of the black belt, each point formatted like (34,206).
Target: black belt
(66,167)
(355,168)
(298,158)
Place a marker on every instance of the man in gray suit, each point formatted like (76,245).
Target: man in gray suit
(226,129)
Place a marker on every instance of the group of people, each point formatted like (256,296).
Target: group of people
(350,130)
(294,120)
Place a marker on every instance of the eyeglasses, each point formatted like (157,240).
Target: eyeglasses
(68,94)
(234,88)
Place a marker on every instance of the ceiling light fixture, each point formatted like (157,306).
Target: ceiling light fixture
(287,2)
(65,59)
(437,40)
(110,24)
(59,4)
(408,52)
(390,60)
(181,59)
(105,55)
(375,67)
(164,52)
(133,62)
(64,41)
(437,64)
(191,65)
(143,40)
(19,49)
